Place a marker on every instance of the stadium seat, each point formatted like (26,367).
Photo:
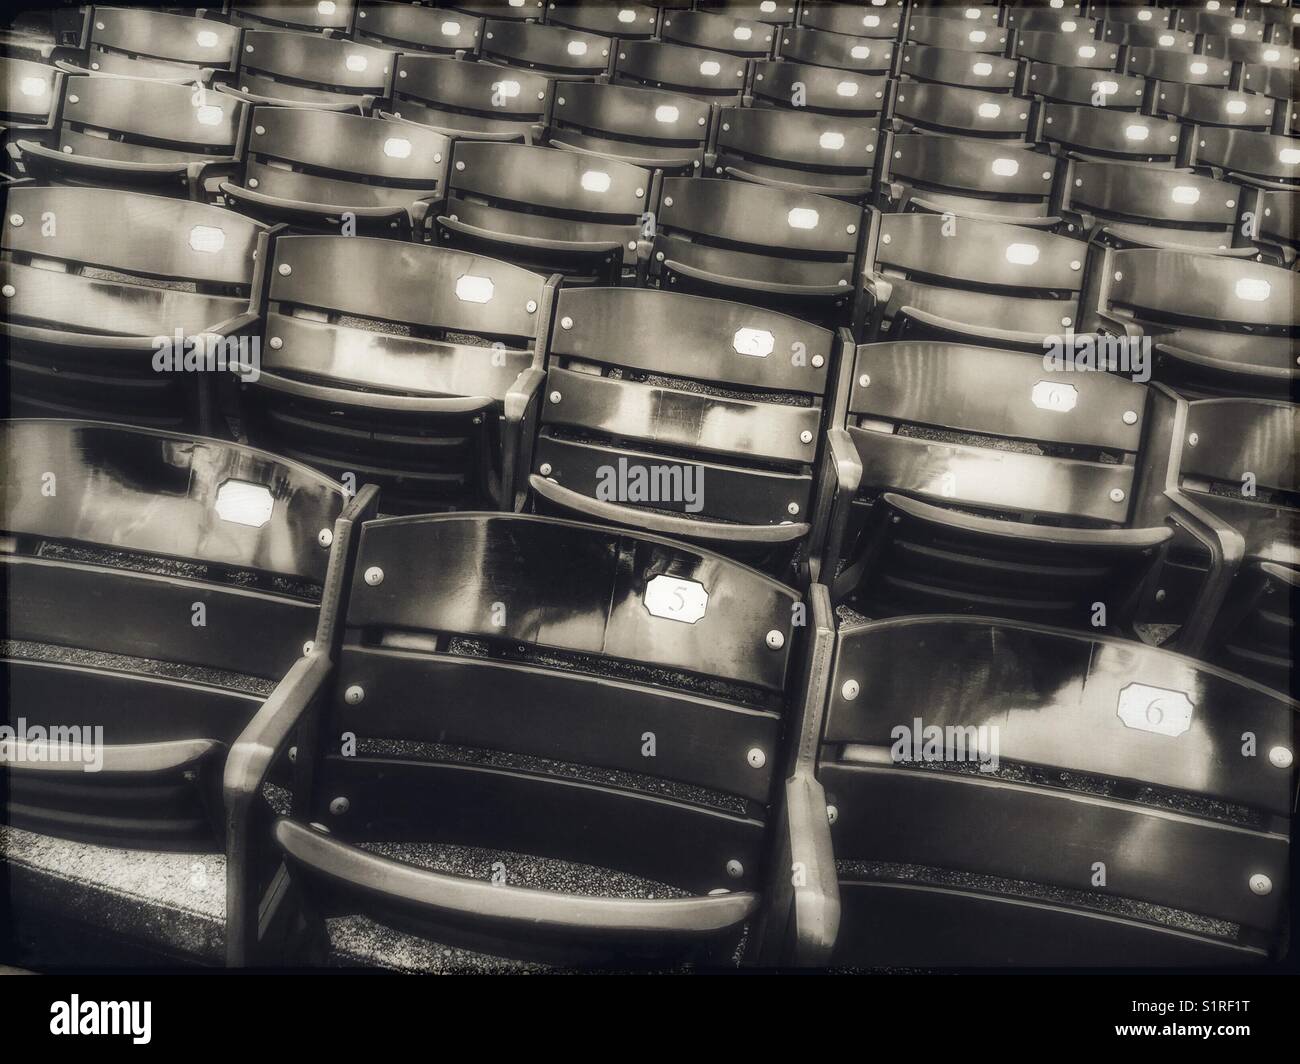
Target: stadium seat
(656,130)
(1217,24)
(404,27)
(952,66)
(1100,133)
(718,33)
(1202,105)
(1261,159)
(548,210)
(1062,18)
(1066,50)
(839,51)
(471,101)
(28,107)
(554,51)
(1146,36)
(956,111)
(775,12)
(793,251)
(98,283)
(333,18)
(160,585)
(695,72)
(626,21)
(1049,754)
(685,416)
(287,69)
(607,637)
(1083,85)
(818,90)
(856,20)
(979,35)
(415,368)
(515,10)
(139,43)
(340,172)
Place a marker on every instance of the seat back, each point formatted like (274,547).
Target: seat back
(547,210)
(471,101)
(1218,24)
(514,10)
(1271,81)
(718,33)
(311,167)
(679,68)
(856,20)
(555,51)
(99,282)
(828,155)
(414,28)
(774,12)
(818,90)
(626,21)
(302,69)
(1262,156)
(137,42)
(1066,18)
(1018,764)
(1166,65)
(979,35)
(966,175)
(392,364)
(1211,106)
(660,130)
(30,93)
(1274,224)
(862,55)
(794,250)
(618,643)
(1065,49)
(961,111)
(206,558)
(1146,35)
(1100,133)
(335,17)
(1084,85)
(952,66)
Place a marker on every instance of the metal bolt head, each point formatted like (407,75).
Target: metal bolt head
(556,397)
(864,381)
(1280,757)
(756,758)
(1193,440)
(806,436)
(832,814)
(668,201)
(339,806)
(1260,884)
(818,361)
(775,640)
(374,576)
(544,469)
(15,219)
(1130,417)
(1116,494)
(285,269)
(324,537)
(276,343)
(792,509)
(460,165)
(1161,594)
(306,647)
(293,754)
(850,690)
(531,306)
(566,322)
(354,694)
(8,291)
(735,869)
(259,130)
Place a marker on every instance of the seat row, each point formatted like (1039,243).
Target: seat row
(721,743)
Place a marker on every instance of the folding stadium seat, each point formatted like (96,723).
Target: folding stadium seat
(1004,285)
(775,12)
(405,27)
(515,10)
(971,15)
(1256,53)
(861,55)
(657,130)
(1238,463)
(1065,50)
(626,21)
(549,210)
(160,586)
(1098,133)
(1063,19)
(471,101)
(613,640)
(136,133)
(1217,24)
(952,66)
(28,106)
(1049,754)
(328,17)
(1082,85)
(1260,159)
(970,177)
(415,368)
(1127,205)
(718,33)
(139,43)
(1145,35)
(878,20)
(1129,12)
(830,156)
(792,251)
(555,51)
(1165,69)
(678,68)
(330,170)
(1205,105)
(97,283)
(950,109)
(818,90)
(1218,326)
(968,36)
(988,483)
(1273,224)
(712,411)
(289,69)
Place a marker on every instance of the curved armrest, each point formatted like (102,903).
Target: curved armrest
(771,287)
(522,404)
(303,209)
(1244,369)
(812,860)
(204,74)
(983,332)
(1226,547)
(454,404)
(511,911)
(505,137)
(665,524)
(62,338)
(360,104)
(92,167)
(645,161)
(796,186)
(134,759)
(586,246)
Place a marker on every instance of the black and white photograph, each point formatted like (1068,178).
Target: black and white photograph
(701,488)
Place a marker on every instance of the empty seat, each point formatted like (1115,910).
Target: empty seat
(160,586)
(1237,50)
(555,51)
(1065,49)
(657,130)
(547,210)
(613,641)
(135,133)
(1018,766)
(471,101)
(289,69)
(1059,18)
(1218,325)
(1083,85)
(679,68)
(415,369)
(996,485)
(830,156)
(515,10)
(968,176)
(950,109)
(718,33)
(407,27)
(1205,105)
(139,43)
(626,21)
(686,416)
(776,12)
(1217,24)
(977,36)
(775,247)
(327,169)
(1238,154)
(857,20)
(1169,67)
(1100,133)
(952,66)
(967,14)
(818,90)
(1145,35)
(1270,81)
(1004,285)
(28,106)
(125,307)
(331,17)
(1130,12)
(837,50)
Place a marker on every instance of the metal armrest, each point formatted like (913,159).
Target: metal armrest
(522,404)
(646,162)
(1226,548)
(431,404)
(92,167)
(837,487)
(313,211)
